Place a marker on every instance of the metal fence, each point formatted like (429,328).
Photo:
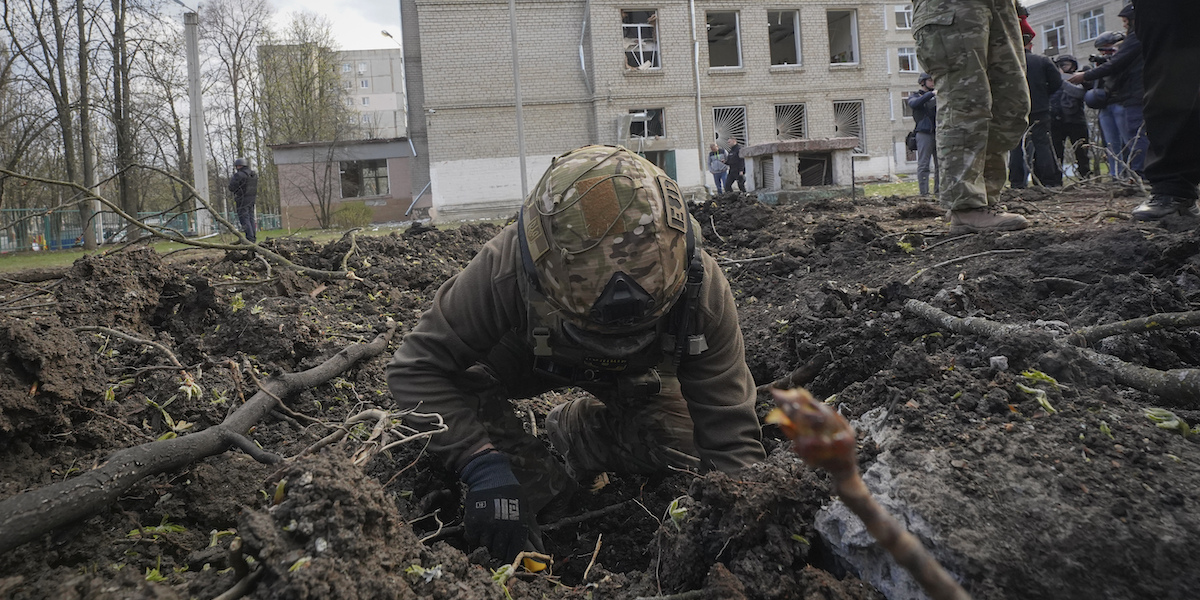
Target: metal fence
(35,229)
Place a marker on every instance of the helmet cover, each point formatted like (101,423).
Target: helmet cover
(607,234)
(1108,39)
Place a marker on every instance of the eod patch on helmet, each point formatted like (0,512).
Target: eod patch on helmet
(607,240)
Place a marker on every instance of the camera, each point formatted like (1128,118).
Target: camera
(1097,59)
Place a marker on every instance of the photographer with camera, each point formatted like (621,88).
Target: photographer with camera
(1108,113)
(1122,73)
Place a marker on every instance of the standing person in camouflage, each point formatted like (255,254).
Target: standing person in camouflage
(599,285)
(973,49)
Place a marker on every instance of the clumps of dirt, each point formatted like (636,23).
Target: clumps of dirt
(43,369)
(759,525)
(1065,491)
(330,532)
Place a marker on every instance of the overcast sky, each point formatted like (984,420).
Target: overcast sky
(356,25)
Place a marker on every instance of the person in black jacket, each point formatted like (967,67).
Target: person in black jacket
(1125,88)
(244,185)
(1170,34)
(1068,119)
(923,103)
(1044,79)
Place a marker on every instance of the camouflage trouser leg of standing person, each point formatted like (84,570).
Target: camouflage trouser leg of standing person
(973,50)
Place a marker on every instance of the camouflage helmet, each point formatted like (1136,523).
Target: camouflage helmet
(606,237)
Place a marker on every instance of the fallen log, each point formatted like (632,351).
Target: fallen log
(26,516)
(1181,386)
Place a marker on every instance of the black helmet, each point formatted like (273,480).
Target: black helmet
(1109,39)
(1096,98)
(1062,58)
(1126,12)
(922,77)
(240,162)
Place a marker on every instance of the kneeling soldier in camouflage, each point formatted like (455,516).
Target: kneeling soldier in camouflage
(601,284)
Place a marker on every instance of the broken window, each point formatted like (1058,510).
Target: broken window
(843,36)
(640,29)
(904,14)
(848,122)
(783,27)
(790,122)
(724,43)
(646,122)
(905,109)
(1054,36)
(362,67)
(908,60)
(729,122)
(364,178)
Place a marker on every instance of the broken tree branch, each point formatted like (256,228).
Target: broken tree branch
(1178,385)
(825,440)
(26,516)
(137,340)
(1095,333)
(801,376)
(913,279)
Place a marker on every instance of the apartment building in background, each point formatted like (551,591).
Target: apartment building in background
(663,78)
(1070,27)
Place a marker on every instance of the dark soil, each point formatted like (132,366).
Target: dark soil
(1091,501)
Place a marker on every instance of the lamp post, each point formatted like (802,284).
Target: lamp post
(191,23)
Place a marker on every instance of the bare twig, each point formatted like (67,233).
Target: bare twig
(129,338)
(730,261)
(595,553)
(947,241)
(716,233)
(918,274)
(801,376)
(825,440)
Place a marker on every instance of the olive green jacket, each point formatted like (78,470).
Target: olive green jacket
(474,309)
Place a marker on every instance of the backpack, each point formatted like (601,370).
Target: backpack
(910,141)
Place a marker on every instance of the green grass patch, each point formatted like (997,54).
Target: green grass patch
(901,188)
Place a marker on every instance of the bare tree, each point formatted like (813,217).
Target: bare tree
(232,30)
(304,103)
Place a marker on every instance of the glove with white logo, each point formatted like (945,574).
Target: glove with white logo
(493,511)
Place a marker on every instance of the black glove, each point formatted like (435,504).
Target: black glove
(494,509)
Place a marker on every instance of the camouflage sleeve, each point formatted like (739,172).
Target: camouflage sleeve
(470,313)
(717,384)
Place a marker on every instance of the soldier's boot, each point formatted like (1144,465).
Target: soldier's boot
(1161,205)
(984,220)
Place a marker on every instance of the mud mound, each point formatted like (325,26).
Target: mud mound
(1028,470)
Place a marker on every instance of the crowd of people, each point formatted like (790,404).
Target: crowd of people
(998,100)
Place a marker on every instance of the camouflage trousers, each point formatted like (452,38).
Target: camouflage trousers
(604,432)
(973,50)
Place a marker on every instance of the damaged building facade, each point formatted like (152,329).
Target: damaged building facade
(663,78)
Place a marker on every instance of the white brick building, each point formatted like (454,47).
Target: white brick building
(1069,27)
(629,73)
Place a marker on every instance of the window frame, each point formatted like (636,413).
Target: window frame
(903,9)
(1057,30)
(793,107)
(911,54)
(373,170)
(855,49)
(795,35)
(656,121)
(736,39)
(1094,17)
(633,45)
